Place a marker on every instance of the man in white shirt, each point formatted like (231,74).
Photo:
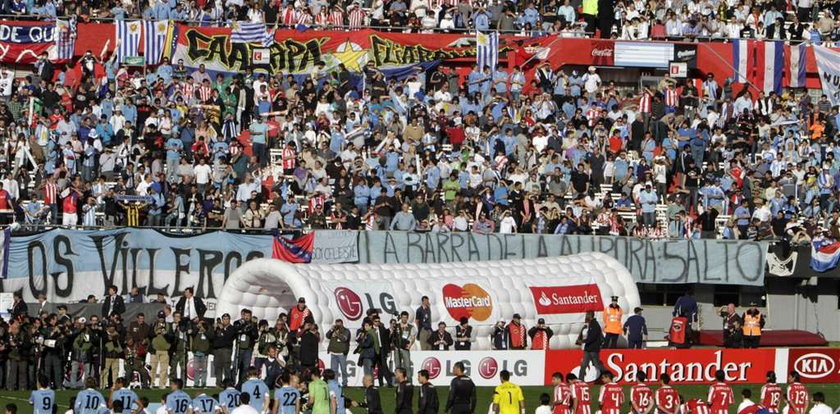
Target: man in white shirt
(244,408)
(819,406)
(746,401)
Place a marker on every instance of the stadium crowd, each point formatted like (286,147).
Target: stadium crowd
(563,153)
(706,19)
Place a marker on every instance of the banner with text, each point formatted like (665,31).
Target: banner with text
(649,261)
(828,65)
(685,366)
(526,367)
(23,43)
(69,265)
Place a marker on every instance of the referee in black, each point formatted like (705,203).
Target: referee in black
(461,392)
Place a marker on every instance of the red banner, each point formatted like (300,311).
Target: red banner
(686,366)
(815,365)
(551,300)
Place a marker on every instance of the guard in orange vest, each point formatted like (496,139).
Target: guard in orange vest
(612,323)
(753,324)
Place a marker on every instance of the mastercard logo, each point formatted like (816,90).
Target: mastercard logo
(467,301)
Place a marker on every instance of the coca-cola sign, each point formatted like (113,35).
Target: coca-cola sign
(602,52)
(552,300)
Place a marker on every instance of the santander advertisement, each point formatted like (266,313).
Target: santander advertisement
(551,300)
(688,366)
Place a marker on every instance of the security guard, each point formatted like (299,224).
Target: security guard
(753,324)
(612,324)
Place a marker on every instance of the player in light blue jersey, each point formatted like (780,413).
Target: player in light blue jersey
(335,390)
(42,400)
(89,400)
(287,397)
(229,398)
(177,402)
(256,388)
(204,404)
(127,397)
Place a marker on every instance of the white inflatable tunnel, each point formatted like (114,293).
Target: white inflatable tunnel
(558,289)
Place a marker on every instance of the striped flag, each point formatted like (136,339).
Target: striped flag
(65,40)
(154,40)
(741,60)
(487,50)
(248,32)
(796,65)
(128,39)
(5,242)
(770,61)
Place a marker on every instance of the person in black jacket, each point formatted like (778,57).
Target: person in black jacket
(405,393)
(190,306)
(428,402)
(114,303)
(462,399)
(440,339)
(19,308)
(384,339)
(372,401)
(591,338)
(223,336)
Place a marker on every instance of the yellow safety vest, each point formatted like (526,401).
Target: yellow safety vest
(752,325)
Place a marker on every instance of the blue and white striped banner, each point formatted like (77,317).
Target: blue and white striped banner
(487,50)
(796,67)
(65,39)
(128,39)
(740,60)
(248,32)
(154,40)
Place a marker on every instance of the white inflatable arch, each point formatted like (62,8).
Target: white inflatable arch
(558,289)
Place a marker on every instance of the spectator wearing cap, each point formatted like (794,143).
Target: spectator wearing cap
(299,314)
(223,337)
(540,335)
(612,323)
(635,328)
(516,333)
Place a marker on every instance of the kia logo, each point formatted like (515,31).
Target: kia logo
(432,365)
(488,367)
(814,365)
(349,303)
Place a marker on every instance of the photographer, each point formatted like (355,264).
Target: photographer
(80,355)
(338,348)
(180,331)
(54,336)
(160,351)
(97,332)
(201,345)
(266,338)
(281,334)
(113,353)
(366,346)
(20,348)
(135,361)
(223,337)
(246,336)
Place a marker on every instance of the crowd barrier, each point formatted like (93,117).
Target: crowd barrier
(535,368)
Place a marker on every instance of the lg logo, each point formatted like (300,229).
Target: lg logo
(349,303)
(432,365)
(488,367)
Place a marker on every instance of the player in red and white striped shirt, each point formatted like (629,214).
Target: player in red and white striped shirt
(205,92)
(289,158)
(581,398)
(695,406)
(612,396)
(646,101)
(562,394)
(797,395)
(667,398)
(771,393)
(720,394)
(641,396)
